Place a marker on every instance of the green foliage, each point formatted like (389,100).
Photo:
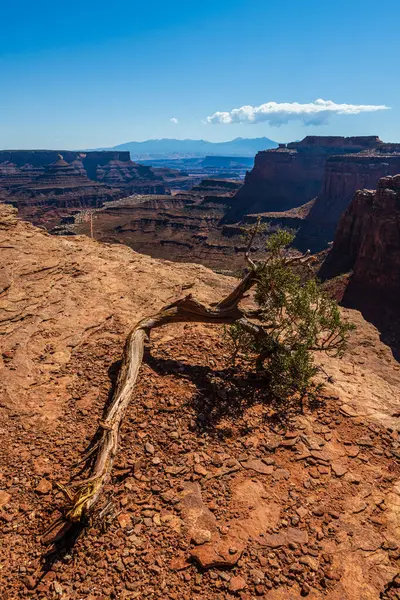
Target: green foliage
(295,318)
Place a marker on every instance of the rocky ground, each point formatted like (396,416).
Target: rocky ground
(213,495)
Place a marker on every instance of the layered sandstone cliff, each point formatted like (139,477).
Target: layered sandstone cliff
(344,175)
(367,241)
(367,244)
(291,175)
(46,185)
(185,227)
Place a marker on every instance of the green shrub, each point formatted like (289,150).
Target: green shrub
(294,319)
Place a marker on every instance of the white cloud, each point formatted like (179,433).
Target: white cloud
(174,120)
(279,113)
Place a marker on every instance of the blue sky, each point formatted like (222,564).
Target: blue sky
(90,74)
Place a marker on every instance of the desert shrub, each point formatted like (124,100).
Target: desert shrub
(295,318)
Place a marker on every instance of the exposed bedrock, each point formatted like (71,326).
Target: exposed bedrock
(292,174)
(344,175)
(45,192)
(367,244)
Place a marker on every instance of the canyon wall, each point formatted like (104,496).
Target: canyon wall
(344,175)
(45,185)
(367,241)
(185,227)
(291,175)
(367,244)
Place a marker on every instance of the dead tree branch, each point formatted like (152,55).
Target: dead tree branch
(84,495)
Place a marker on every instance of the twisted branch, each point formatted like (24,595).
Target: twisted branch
(98,462)
(100,457)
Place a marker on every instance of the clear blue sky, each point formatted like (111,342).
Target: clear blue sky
(88,74)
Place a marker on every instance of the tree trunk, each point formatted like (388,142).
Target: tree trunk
(99,459)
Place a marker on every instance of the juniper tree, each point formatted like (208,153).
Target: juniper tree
(294,318)
(291,320)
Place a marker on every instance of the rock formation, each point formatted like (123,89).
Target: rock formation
(292,174)
(343,176)
(46,185)
(367,245)
(185,227)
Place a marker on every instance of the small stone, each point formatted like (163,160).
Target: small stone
(314,473)
(201,536)
(257,576)
(259,590)
(390,544)
(200,470)
(179,564)
(323,470)
(302,512)
(57,588)
(295,520)
(353,451)
(298,536)
(43,487)
(296,568)
(124,519)
(30,582)
(289,442)
(259,466)
(275,540)
(339,469)
(348,411)
(352,478)
(149,448)
(237,583)
(4,498)
(305,589)
(359,506)
(281,474)
(365,441)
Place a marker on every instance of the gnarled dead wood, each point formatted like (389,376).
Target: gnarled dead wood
(100,457)
(98,461)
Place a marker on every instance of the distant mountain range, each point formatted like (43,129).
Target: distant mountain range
(172,148)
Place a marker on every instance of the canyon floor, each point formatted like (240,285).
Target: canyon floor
(214,495)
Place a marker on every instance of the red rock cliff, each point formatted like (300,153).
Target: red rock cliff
(344,175)
(367,243)
(292,175)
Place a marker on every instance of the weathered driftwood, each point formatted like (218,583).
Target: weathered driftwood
(101,455)
(98,461)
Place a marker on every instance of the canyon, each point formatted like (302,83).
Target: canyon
(47,185)
(185,227)
(303,186)
(292,174)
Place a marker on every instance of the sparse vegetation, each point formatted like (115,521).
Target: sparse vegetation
(294,318)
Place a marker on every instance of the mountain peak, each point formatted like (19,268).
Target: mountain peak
(171,147)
